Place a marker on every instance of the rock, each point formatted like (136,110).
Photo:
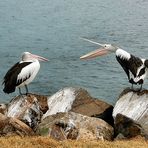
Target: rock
(26,109)
(3,108)
(11,126)
(120,137)
(61,101)
(42,100)
(126,127)
(72,125)
(78,100)
(106,116)
(133,105)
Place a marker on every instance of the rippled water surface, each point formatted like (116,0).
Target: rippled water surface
(52,28)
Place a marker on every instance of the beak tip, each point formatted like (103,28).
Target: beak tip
(46,60)
(82,57)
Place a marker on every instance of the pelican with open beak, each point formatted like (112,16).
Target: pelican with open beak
(136,68)
(105,49)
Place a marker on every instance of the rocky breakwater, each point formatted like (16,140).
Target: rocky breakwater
(79,101)
(22,114)
(131,114)
(71,113)
(70,125)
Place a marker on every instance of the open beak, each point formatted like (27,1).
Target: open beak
(93,54)
(39,57)
(92,41)
(99,52)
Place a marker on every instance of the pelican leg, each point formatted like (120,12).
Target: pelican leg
(140,87)
(140,82)
(26,89)
(132,82)
(132,87)
(20,91)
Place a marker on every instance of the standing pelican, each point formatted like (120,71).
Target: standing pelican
(22,73)
(135,67)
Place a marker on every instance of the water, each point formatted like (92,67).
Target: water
(51,28)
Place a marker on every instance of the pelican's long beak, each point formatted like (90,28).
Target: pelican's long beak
(99,52)
(93,54)
(39,57)
(92,41)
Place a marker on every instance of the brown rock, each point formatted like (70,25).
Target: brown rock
(57,133)
(3,120)
(42,100)
(3,108)
(86,105)
(78,100)
(72,125)
(12,126)
(127,127)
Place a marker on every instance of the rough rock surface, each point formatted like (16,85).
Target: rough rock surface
(11,126)
(133,105)
(78,100)
(25,108)
(42,100)
(127,127)
(72,125)
(3,108)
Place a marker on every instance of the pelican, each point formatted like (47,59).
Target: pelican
(136,68)
(22,73)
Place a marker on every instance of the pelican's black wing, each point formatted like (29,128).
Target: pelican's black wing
(130,63)
(124,63)
(10,79)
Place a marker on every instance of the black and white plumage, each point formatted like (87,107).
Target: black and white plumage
(22,73)
(136,68)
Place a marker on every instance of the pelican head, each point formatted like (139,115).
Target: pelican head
(27,56)
(105,49)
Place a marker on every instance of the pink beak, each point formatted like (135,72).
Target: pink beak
(96,53)
(99,52)
(39,57)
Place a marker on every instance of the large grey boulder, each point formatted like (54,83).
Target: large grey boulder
(78,100)
(134,105)
(72,125)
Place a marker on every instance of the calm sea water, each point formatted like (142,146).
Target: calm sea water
(52,28)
